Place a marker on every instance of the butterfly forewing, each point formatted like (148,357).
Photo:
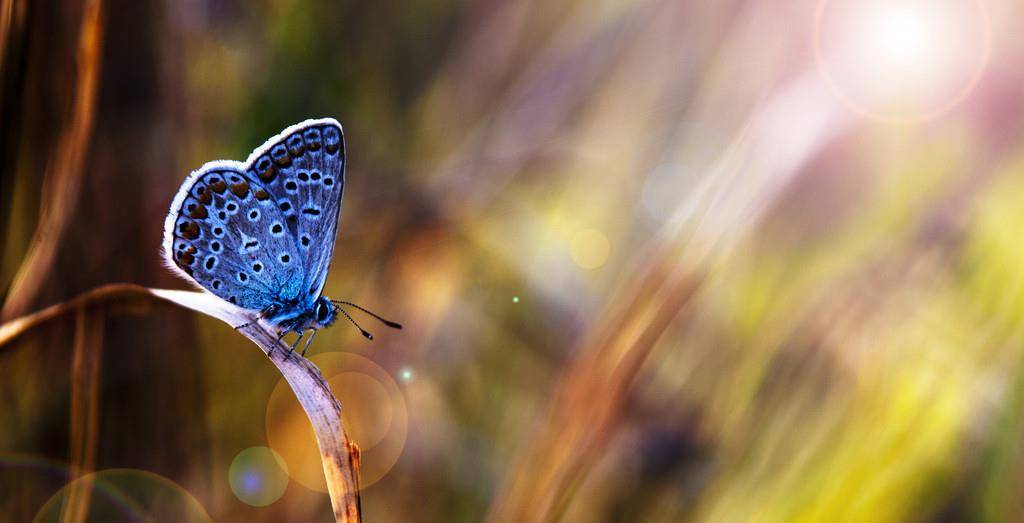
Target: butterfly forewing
(303,169)
(226,232)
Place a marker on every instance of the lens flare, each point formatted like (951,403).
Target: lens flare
(589,248)
(258,476)
(31,477)
(902,37)
(373,410)
(901,60)
(127,495)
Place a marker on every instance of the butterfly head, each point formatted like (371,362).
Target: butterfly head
(324,312)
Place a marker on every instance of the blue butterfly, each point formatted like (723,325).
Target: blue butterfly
(260,234)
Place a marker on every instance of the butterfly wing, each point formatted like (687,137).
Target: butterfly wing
(226,233)
(303,168)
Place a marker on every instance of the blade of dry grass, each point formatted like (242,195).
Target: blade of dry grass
(589,400)
(65,172)
(10,11)
(85,381)
(340,456)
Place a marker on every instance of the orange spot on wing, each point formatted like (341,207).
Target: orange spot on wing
(189,230)
(240,189)
(269,173)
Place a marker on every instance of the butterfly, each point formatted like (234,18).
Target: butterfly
(261,234)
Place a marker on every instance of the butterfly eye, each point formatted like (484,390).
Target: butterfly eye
(322,311)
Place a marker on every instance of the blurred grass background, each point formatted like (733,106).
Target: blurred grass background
(657,260)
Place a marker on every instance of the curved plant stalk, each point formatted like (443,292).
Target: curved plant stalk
(85,385)
(340,456)
(64,173)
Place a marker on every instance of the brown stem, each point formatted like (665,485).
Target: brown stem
(85,384)
(340,456)
(588,401)
(64,176)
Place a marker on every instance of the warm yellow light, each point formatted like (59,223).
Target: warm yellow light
(589,248)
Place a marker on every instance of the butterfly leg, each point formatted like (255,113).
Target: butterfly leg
(308,341)
(297,340)
(280,335)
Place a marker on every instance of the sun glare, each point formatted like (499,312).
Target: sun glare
(902,36)
(901,60)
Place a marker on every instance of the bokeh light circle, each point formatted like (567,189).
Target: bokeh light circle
(372,407)
(589,248)
(31,479)
(116,495)
(406,374)
(901,61)
(258,476)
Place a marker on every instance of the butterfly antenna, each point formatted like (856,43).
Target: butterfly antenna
(362,330)
(389,323)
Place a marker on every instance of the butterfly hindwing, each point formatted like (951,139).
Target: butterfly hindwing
(303,169)
(226,232)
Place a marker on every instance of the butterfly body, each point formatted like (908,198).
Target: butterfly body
(296,317)
(261,234)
